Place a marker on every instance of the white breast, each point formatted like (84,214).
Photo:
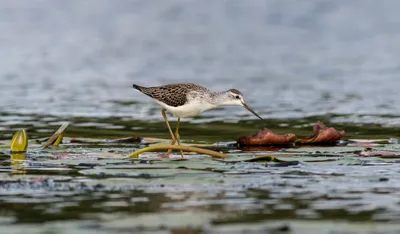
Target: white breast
(190,109)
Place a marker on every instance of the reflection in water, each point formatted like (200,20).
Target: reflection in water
(18,163)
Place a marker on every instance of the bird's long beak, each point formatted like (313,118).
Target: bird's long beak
(251,110)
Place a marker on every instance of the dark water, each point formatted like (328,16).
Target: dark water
(74,191)
(295,61)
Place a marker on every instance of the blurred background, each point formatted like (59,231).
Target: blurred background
(293,60)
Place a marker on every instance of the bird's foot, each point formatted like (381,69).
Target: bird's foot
(168,155)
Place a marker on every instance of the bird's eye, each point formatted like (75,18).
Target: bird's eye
(237,97)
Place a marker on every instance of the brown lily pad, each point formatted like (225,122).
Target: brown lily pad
(267,137)
(368,152)
(322,135)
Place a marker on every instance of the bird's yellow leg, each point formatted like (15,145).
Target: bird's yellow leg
(177,137)
(170,131)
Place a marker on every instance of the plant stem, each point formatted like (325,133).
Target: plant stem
(178,147)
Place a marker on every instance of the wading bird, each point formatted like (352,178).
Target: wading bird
(189,100)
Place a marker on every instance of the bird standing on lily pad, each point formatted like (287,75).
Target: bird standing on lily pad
(189,100)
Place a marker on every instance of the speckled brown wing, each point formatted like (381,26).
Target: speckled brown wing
(172,94)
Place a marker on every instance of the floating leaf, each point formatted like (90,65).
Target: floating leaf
(265,158)
(269,148)
(267,137)
(368,152)
(322,135)
(19,142)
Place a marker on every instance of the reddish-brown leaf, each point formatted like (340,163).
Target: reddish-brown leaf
(267,137)
(322,135)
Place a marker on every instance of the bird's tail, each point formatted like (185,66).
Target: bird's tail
(145,90)
(138,87)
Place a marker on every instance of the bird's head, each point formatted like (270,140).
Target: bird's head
(234,97)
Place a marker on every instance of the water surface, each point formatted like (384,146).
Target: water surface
(296,62)
(290,60)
